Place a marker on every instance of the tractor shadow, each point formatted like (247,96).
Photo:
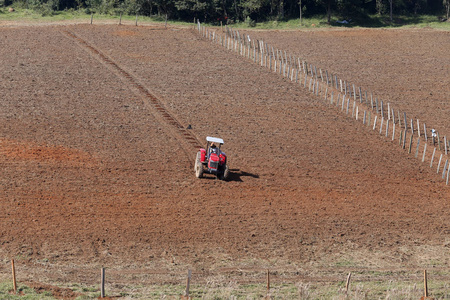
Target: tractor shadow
(237,174)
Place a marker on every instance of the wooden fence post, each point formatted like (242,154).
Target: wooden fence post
(425,132)
(445,168)
(418,128)
(102,290)
(393,131)
(445,143)
(387,128)
(410,144)
(13,268)
(347,284)
(424,150)
(404,139)
(448,171)
(432,157)
(188,284)
(417,148)
(439,164)
(425,284)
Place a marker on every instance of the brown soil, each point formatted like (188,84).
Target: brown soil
(408,68)
(97,166)
(57,292)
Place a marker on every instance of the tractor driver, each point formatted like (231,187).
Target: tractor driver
(213,149)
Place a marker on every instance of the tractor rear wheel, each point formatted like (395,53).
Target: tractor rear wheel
(198,166)
(226,173)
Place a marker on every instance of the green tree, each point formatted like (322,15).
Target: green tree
(207,10)
(252,8)
(165,7)
(447,8)
(328,6)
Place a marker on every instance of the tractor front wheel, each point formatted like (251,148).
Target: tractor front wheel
(198,166)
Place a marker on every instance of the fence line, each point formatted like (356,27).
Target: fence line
(189,278)
(290,67)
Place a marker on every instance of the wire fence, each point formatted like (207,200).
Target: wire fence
(349,99)
(264,284)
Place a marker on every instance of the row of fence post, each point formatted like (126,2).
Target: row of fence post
(308,76)
(388,130)
(186,294)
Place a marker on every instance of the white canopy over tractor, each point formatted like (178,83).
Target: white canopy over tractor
(214,140)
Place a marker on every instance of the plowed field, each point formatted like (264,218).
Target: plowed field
(97,166)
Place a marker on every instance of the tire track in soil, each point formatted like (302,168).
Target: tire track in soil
(170,122)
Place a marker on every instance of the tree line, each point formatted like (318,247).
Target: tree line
(251,11)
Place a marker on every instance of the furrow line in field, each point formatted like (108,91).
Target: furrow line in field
(149,98)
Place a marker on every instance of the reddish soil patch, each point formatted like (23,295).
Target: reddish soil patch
(57,292)
(310,187)
(16,150)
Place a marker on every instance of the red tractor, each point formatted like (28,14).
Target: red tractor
(212,160)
